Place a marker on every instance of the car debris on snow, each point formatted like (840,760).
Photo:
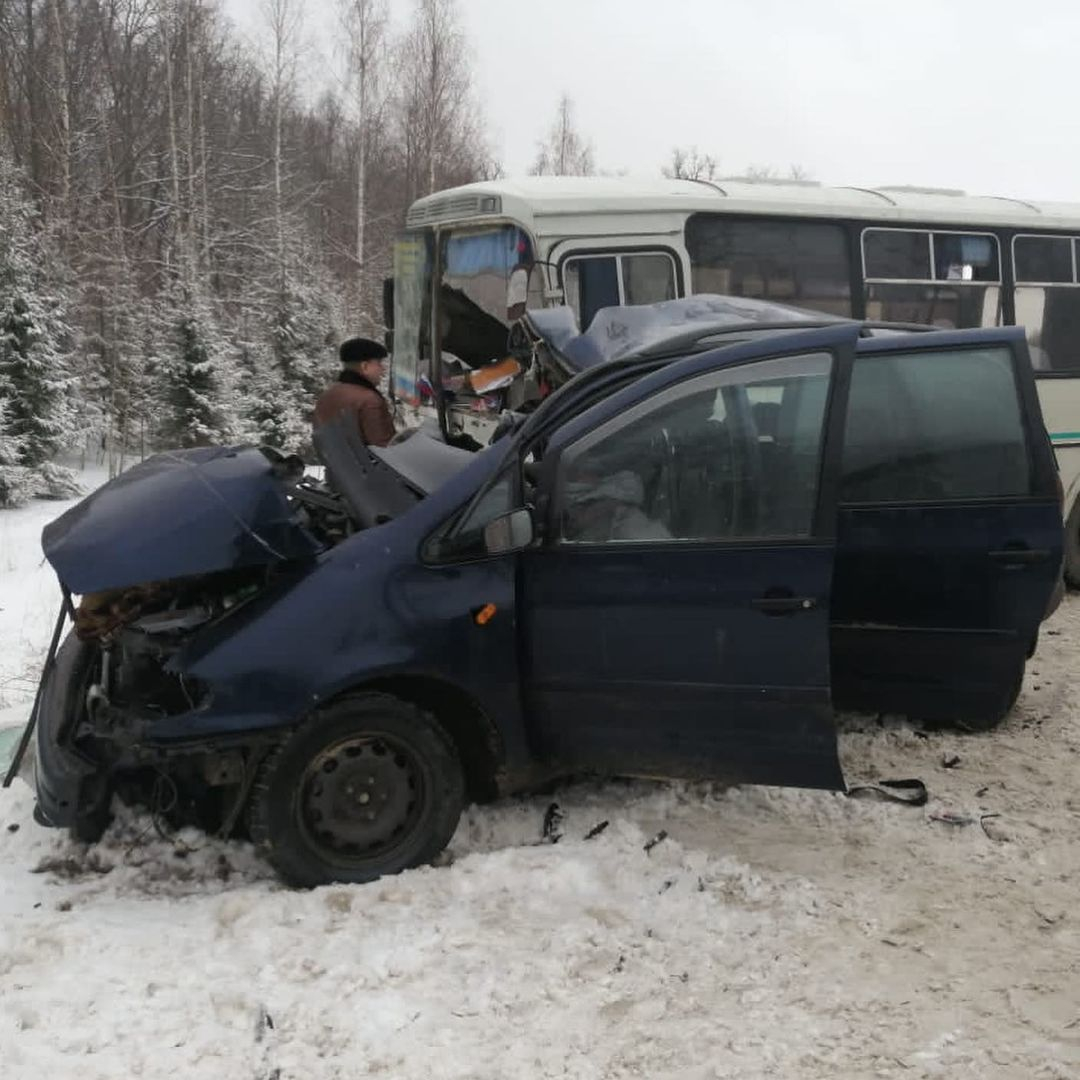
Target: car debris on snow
(658,838)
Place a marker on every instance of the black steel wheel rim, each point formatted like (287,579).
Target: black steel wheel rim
(361,798)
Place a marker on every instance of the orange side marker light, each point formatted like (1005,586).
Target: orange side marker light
(482,616)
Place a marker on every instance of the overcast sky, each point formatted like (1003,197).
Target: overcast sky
(973,94)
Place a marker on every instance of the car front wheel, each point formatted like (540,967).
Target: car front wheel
(372,785)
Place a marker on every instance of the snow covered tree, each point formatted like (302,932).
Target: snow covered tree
(285,369)
(186,373)
(16,481)
(267,417)
(37,398)
(39,411)
(214,220)
(365,23)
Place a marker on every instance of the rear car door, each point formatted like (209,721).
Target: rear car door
(949,538)
(675,620)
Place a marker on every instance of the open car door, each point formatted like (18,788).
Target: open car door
(676,617)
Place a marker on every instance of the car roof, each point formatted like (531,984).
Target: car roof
(597,378)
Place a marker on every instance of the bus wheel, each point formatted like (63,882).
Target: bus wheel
(1072,547)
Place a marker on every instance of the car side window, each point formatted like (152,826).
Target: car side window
(464,537)
(730,455)
(934,424)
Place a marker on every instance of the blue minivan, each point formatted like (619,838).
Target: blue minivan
(678,565)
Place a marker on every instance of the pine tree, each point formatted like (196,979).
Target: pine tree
(37,389)
(16,482)
(304,326)
(187,376)
(267,417)
(210,223)
(39,413)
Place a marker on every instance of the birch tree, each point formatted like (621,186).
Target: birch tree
(564,152)
(365,24)
(438,119)
(688,163)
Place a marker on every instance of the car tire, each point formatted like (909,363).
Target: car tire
(372,785)
(1072,547)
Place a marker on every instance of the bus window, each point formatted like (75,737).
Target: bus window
(896,255)
(473,293)
(1048,299)
(592,282)
(794,262)
(1043,260)
(944,306)
(902,269)
(648,278)
(961,257)
(411,361)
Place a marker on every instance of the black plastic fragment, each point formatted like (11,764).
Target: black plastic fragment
(552,820)
(660,836)
(908,792)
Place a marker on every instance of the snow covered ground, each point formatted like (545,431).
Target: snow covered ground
(771,933)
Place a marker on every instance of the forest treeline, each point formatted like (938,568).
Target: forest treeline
(184,235)
(186,232)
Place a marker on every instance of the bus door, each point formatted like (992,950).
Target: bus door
(592,280)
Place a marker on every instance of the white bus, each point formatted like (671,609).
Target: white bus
(472,257)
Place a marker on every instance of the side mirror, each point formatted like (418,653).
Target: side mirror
(510,532)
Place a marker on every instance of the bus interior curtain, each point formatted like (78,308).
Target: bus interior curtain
(484,252)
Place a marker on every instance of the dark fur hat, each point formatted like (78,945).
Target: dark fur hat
(358,349)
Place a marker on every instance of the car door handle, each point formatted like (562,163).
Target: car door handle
(1018,557)
(783,605)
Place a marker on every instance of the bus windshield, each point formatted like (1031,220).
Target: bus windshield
(473,293)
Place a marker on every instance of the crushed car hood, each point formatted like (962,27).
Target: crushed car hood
(174,515)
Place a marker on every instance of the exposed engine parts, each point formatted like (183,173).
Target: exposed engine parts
(131,636)
(164,609)
(99,614)
(123,674)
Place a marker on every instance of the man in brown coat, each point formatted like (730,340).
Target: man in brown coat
(356,392)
